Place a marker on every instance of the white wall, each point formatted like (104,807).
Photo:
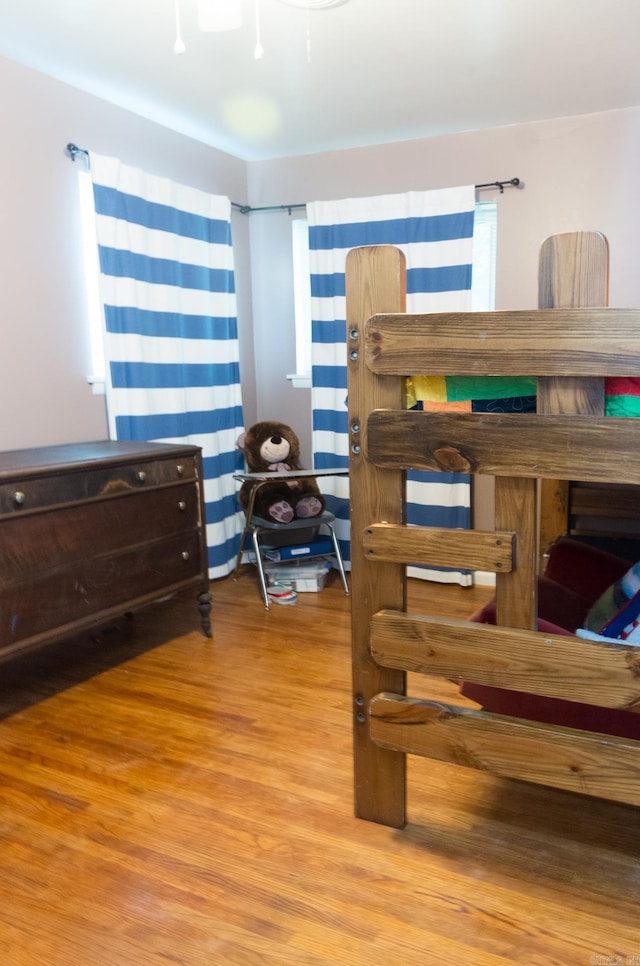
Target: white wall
(45,358)
(579,173)
(274,336)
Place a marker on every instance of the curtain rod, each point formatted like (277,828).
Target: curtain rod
(73,150)
(248,210)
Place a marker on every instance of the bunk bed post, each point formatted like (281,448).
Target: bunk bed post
(375,283)
(573,272)
(516,502)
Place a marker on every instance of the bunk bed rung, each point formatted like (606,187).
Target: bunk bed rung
(577,761)
(506,444)
(506,657)
(538,342)
(491,551)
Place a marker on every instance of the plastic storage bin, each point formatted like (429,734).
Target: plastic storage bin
(305,577)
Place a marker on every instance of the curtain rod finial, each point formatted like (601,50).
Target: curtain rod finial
(73,151)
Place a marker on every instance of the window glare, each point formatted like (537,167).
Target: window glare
(302,294)
(92,276)
(483,275)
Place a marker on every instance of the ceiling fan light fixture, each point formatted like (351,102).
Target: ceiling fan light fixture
(217,16)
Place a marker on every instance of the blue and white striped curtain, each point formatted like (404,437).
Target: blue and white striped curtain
(171,343)
(434,229)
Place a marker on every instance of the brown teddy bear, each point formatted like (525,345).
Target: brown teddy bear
(272,447)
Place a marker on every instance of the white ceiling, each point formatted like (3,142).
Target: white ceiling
(379,70)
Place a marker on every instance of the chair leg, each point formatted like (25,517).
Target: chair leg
(240,552)
(263,582)
(338,555)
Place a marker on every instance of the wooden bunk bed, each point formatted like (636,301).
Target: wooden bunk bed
(570,351)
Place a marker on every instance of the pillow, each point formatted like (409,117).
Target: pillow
(616,613)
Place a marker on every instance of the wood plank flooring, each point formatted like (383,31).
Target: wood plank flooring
(168,799)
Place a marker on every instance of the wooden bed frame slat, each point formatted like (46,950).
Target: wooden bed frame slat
(490,551)
(560,757)
(506,657)
(506,444)
(539,342)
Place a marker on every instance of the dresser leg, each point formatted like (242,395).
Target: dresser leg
(204,606)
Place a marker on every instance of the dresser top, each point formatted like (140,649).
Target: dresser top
(78,456)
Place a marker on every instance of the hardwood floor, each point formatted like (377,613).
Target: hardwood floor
(172,799)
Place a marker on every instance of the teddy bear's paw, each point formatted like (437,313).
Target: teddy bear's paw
(281,512)
(308,506)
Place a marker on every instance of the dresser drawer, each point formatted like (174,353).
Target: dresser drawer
(114,583)
(34,544)
(37,492)
(91,530)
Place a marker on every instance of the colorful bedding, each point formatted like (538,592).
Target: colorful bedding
(622,397)
(506,394)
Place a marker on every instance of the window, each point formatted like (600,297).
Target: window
(482,285)
(301,302)
(92,281)
(483,279)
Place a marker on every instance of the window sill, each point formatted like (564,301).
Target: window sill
(97,385)
(300,380)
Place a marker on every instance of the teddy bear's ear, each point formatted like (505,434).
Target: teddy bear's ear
(241,440)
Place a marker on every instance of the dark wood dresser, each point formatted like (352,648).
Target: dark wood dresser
(89,531)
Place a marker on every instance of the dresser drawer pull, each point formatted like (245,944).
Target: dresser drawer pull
(185,555)
(180,469)
(141,475)
(182,505)
(19,498)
